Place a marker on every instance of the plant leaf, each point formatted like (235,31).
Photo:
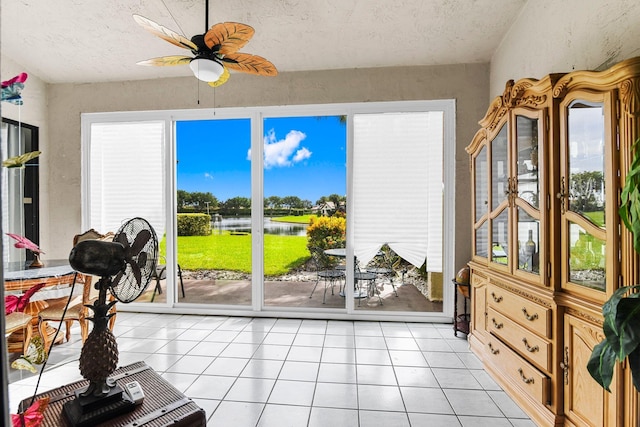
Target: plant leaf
(601,364)
(627,321)
(629,210)
(634,364)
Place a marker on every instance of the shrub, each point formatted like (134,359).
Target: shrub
(194,224)
(327,232)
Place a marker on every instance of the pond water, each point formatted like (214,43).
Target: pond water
(243,225)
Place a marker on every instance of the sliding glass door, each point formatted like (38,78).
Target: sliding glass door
(305,187)
(214,238)
(341,209)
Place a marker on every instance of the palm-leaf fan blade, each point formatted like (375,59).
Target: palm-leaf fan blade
(167,60)
(228,37)
(252,64)
(165,33)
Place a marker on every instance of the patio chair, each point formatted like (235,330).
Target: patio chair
(77,310)
(161,274)
(325,271)
(382,266)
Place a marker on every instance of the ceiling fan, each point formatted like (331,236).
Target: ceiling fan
(214,52)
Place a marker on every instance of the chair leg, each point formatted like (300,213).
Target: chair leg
(68,324)
(181,282)
(84,329)
(314,287)
(28,333)
(42,328)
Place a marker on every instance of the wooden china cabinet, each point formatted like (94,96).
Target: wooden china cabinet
(547,166)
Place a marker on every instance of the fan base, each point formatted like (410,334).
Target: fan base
(88,411)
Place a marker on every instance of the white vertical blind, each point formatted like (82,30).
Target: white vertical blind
(127,174)
(398,186)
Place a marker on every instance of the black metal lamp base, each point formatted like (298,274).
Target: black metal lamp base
(88,411)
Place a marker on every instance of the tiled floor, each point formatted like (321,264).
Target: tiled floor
(288,372)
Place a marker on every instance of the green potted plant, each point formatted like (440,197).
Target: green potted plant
(622,310)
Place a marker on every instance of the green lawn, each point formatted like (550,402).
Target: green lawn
(233,252)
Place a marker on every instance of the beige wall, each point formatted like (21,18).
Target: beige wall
(552,36)
(467,84)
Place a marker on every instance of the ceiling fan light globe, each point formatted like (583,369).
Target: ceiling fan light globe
(206,70)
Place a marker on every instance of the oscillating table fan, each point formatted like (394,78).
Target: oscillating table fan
(125,267)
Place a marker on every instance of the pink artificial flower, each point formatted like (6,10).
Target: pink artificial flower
(24,243)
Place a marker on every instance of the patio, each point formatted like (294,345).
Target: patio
(291,291)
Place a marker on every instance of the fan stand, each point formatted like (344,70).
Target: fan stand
(103,399)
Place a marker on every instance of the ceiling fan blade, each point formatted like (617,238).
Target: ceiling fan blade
(167,60)
(228,37)
(223,78)
(165,33)
(252,64)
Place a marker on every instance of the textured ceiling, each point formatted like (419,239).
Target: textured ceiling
(97,40)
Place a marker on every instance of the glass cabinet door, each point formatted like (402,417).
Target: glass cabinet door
(500,194)
(527,197)
(584,195)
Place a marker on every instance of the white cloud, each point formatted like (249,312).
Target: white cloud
(284,152)
(207,175)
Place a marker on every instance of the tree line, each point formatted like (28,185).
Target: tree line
(206,202)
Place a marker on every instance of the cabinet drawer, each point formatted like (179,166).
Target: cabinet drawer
(527,313)
(525,342)
(510,364)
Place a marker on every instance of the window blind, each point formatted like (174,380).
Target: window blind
(398,186)
(127,175)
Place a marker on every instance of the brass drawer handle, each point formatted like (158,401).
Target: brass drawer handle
(493,350)
(525,379)
(496,298)
(496,324)
(529,317)
(529,348)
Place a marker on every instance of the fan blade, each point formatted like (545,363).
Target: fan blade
(142,238)
(122,239)
(167,60)
(223,78)
(137,273)
(229,36)
(252,64)
(165,33)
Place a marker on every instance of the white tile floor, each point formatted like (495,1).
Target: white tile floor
(288,372)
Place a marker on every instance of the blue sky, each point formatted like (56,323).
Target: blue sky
(303,156)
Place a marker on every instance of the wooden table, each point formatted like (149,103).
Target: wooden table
(163,404)
(57,276)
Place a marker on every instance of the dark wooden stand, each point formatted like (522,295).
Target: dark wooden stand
(461,321)
(163,404)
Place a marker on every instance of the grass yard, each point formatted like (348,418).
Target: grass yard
(233,252)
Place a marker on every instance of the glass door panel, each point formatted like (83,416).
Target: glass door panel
(482,240)
(499,169)
(587,258)
(500,235)
(586,161)
(305,185)
(481,187)
(585,216)
(528,159)
(528,242)
(214,211)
